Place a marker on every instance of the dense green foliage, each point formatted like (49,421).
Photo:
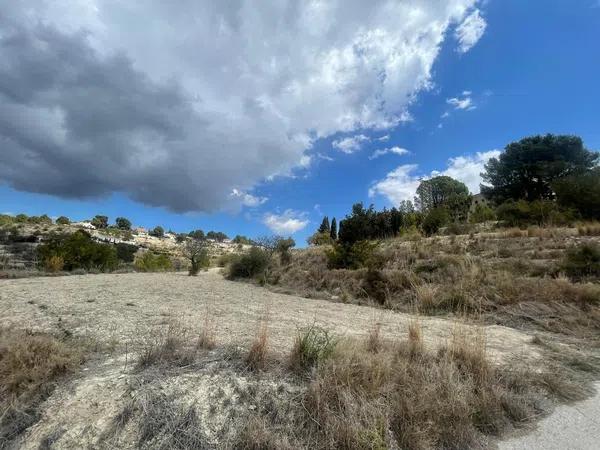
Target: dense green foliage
(63,220)
(100,222)
(123,223)
(352,256)
(580,192)
(482,213)
(197,234)
(216,235)
(78,251)
(527,168)
(540,212)
(157,231)
(440,191)
(238,239)
(363,224)
(126,252)
(324,227)
(333,231)
(435,219)
(151,262)
(251,264)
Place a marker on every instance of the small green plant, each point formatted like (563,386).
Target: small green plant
(312,345)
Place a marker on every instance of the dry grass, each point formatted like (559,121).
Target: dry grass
(256,358)
(167,348)
(589,229)
(311,346)
(208,334)
(406,397)
(30,366)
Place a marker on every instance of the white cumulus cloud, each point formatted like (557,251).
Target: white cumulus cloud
(248,199)
(287,223)
(350,144)
(384,151)
(470,31)
(402,183)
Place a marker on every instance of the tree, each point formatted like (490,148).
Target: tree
(581,192)
(100,222)
(527,168)
(324,228)
(217,236)
(63,220)
(196,250)
(158,232)
(197,234)
(333,232)
(283,247)
(123,223)
(439,192)
(320,239)
(239,239)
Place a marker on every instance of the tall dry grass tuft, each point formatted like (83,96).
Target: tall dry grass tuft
(208,333)
(30,366)
(256,358)
(374,341)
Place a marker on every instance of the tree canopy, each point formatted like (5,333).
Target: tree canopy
(527,168)
(581,192)
(439,191)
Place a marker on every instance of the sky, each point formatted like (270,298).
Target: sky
(259,118)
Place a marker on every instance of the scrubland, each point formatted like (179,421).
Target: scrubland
(444,342)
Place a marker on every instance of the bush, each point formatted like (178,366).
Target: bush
(63,220)
(249,265)
(79,251)
(157,232)
(283,247)
(100,222)
(434,220)
(540,212)
(582,261)
(312,346)
(320,239)
(345,256)
(150,262)
(123,223)
(581,192)
(482,213)
(126,252)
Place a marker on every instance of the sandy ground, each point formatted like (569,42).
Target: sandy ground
(122,309)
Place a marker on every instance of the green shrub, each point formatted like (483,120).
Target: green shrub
(582,261)
(157,232)
(312,346)
(79,251)
(482,213)
(360,254)
(434,220)
(320,239)
(249,265)
(126,252)
(540,212)
(151,262)
(63,220)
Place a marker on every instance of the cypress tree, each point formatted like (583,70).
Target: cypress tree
(333,232)
(324,228)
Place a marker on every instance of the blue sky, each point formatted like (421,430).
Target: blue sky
(535,69)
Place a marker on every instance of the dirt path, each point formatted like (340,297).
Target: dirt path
(122,308)
(574,427)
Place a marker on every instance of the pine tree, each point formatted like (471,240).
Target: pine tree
(324,228)
(333,232)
